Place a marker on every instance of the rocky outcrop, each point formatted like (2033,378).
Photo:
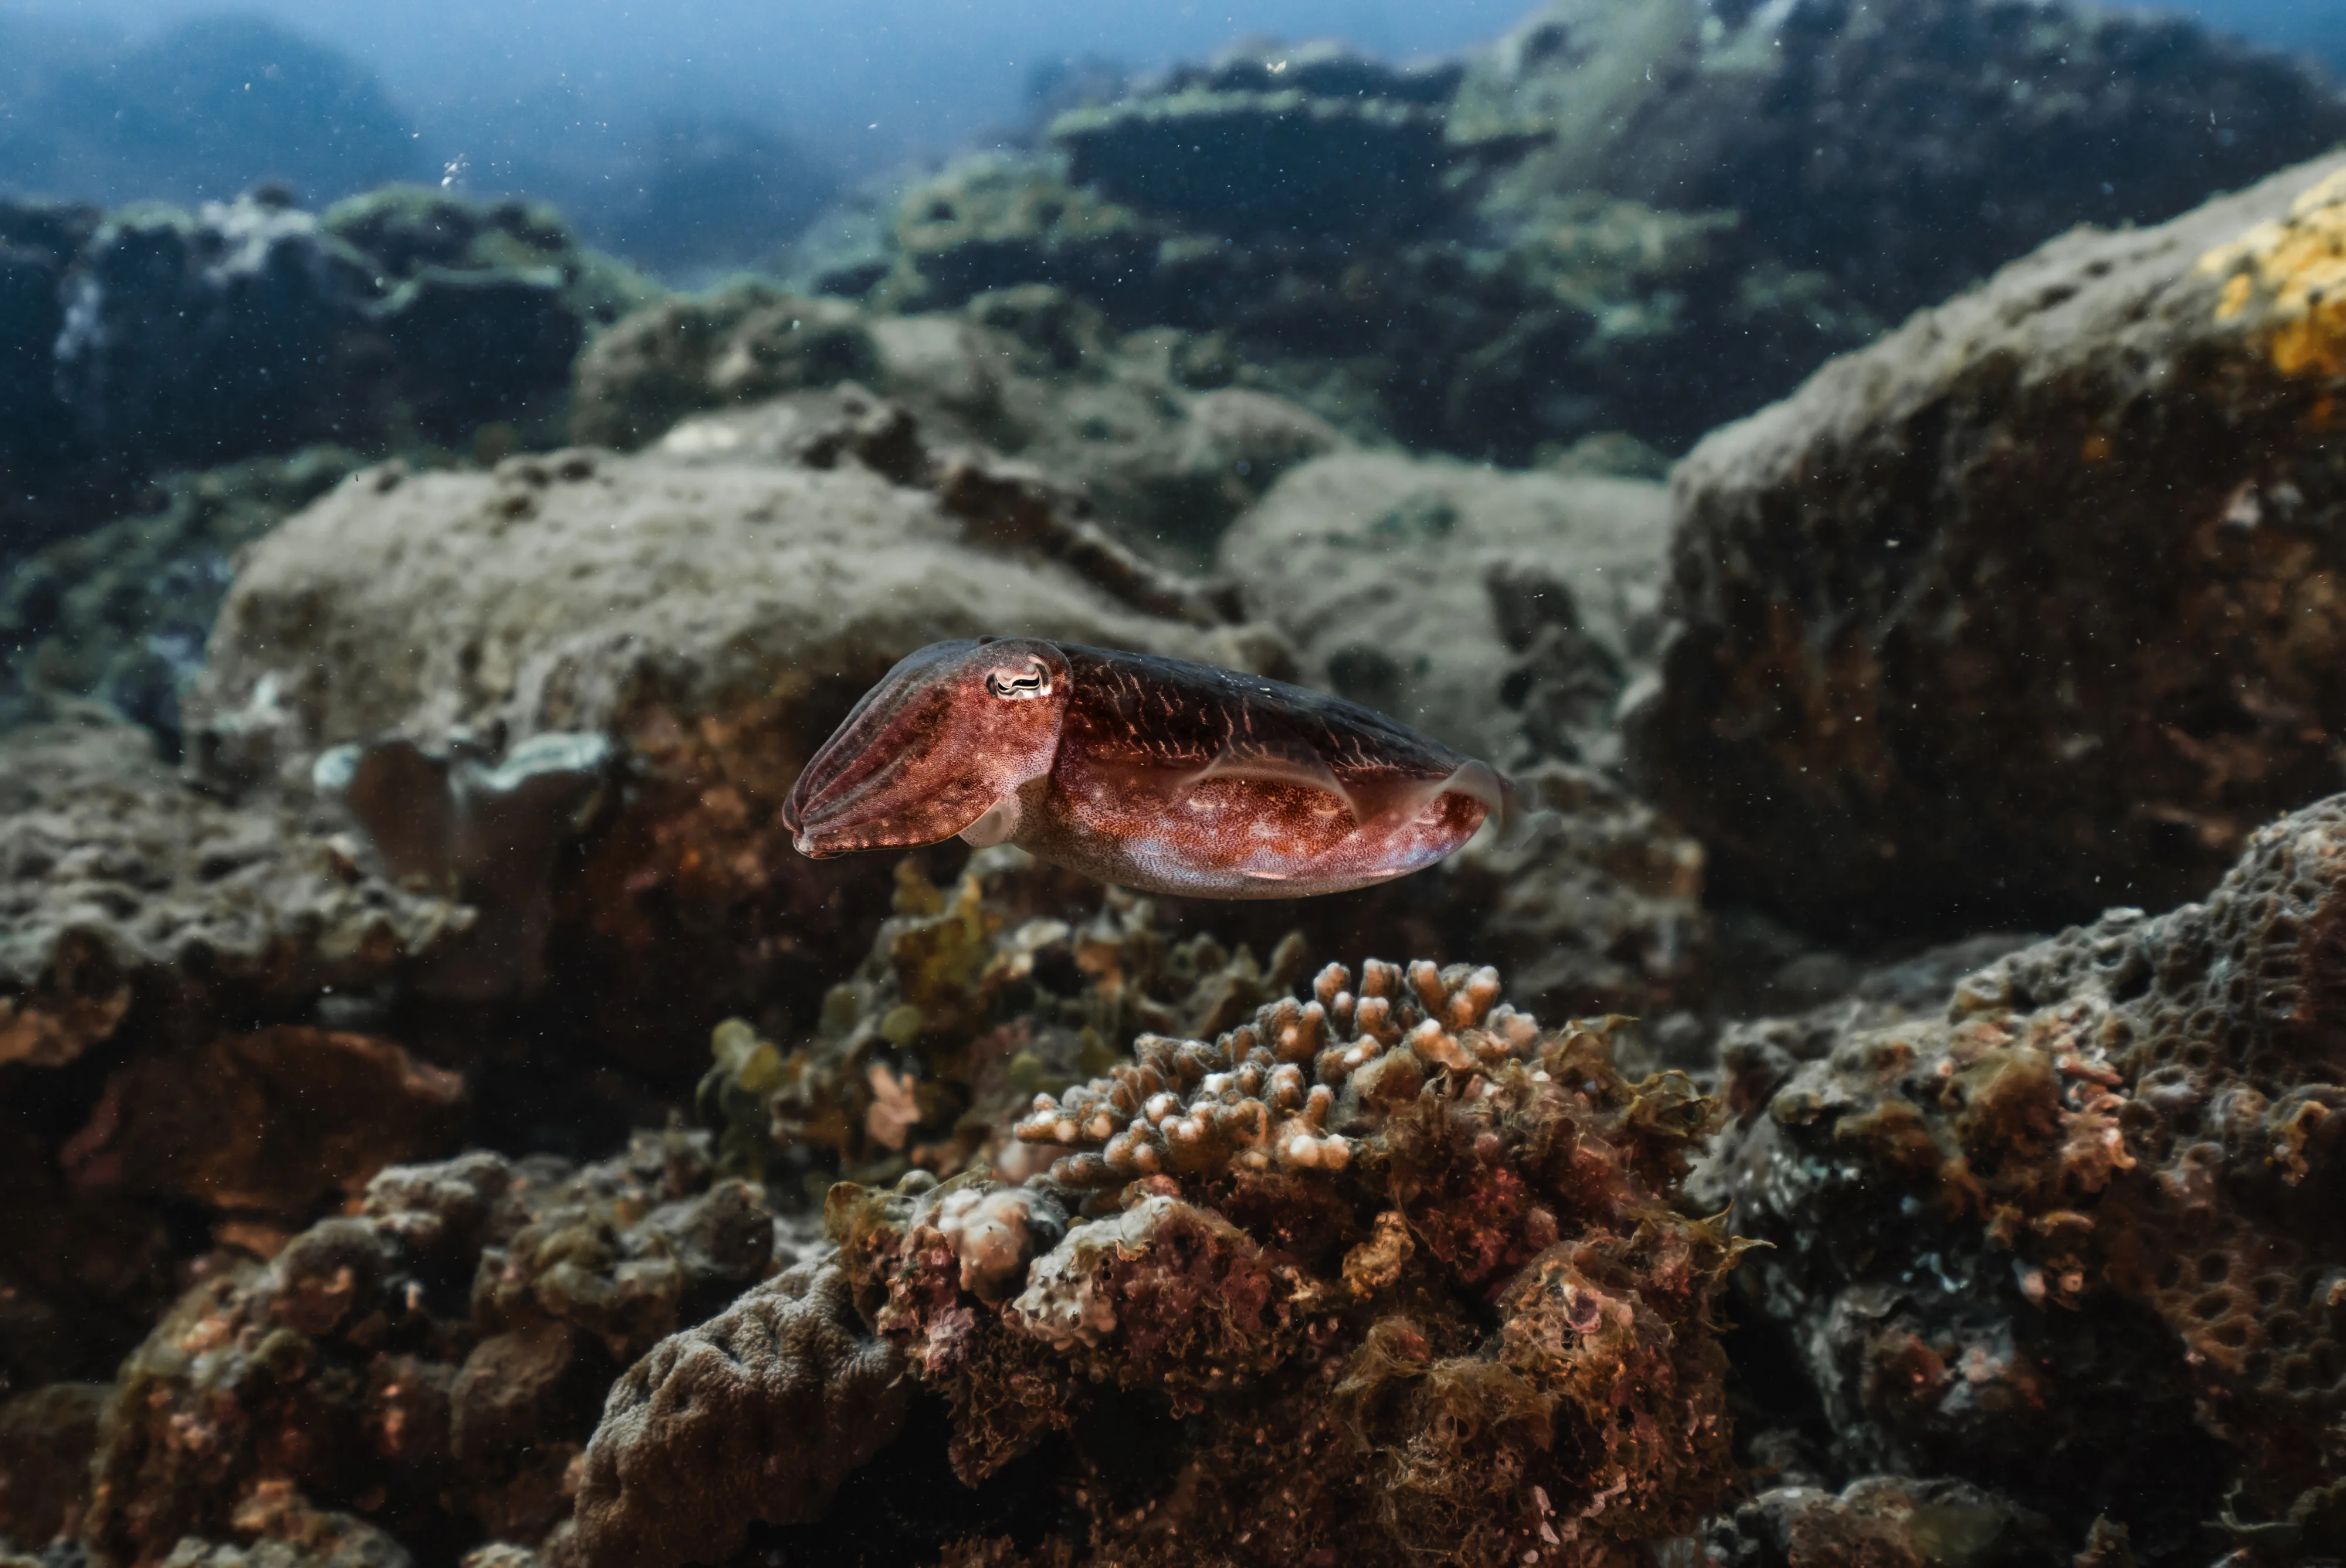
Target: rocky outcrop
(1503,613)
(2069,1235)
(1318,140)
(124,890)
(2035,607)
(400,319)
(1381,1275)
(1500,336)
(433,1362)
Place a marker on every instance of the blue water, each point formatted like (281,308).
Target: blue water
(735,121)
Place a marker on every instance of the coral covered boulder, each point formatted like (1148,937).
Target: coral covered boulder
(1903,151)
(431,1365)
(2074,1237)
(2035,606)
(1376,1274)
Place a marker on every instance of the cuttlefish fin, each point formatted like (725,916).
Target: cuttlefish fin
(1501,806)
(1371,801)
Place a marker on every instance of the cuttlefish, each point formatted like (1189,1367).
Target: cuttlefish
(1149,773)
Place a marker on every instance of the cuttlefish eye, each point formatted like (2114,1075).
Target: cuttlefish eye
(1020,684)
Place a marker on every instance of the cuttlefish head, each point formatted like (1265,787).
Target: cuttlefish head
(941,746)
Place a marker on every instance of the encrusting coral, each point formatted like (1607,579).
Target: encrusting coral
(2076,1237)
(1386,1271)
(429,1366)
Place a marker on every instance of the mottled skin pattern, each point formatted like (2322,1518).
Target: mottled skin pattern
(1151,773)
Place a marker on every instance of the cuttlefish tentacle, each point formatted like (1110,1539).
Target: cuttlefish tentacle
(1153,773)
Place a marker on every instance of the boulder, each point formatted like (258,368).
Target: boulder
(1504,613)
(2035,607)
(2068,1231)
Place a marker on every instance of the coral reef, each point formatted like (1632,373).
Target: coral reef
(2071,1238)
(1385,1273)
(2033,606)
(429,1366)
(1033,1225)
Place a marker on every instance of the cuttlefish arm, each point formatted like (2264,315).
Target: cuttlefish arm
(945,743)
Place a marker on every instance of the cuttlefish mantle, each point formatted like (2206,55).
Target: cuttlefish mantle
(1150,773)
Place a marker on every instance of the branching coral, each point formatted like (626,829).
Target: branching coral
(1386,1271)
(971,1002)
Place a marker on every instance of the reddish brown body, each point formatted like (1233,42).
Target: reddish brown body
(1148,772)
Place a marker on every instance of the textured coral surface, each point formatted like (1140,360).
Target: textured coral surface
(2035,605)
(2098,1194)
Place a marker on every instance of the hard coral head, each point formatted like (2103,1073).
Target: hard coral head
(948,737)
